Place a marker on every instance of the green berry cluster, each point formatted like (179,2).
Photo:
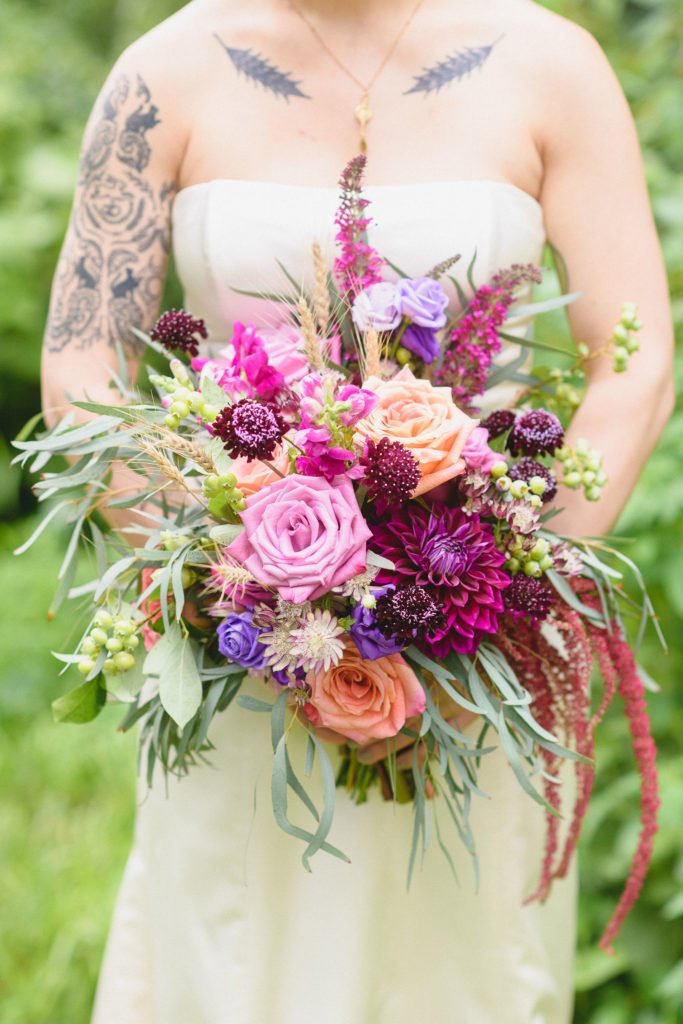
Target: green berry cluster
(185,398)
(625,337)
(115,634)
(224,499)
(172,540)
(530,492)
(582,468)
(566,391)
(530,555)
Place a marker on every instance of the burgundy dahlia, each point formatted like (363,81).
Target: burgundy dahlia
(527,596)
(249,429)
(177,329)
(454,555)
(498,422)
(391,471)
(537,432)
(527,468)
(402,613)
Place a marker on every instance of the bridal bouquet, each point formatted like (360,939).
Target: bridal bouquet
(321,507)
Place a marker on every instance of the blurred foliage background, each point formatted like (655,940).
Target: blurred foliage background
(67,814)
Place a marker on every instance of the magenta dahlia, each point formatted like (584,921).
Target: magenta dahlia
(249,429)
(177,329)
(454,557)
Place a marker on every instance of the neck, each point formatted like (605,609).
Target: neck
(354,10)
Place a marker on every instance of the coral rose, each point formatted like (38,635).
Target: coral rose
(425,419)
(252,476)
(365,700)
(302,536)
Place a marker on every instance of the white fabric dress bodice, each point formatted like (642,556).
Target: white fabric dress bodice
(217,922)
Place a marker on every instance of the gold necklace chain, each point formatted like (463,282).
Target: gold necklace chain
(363,112)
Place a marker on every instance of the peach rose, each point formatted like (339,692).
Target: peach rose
(252,476)
(425,419)
(365,700)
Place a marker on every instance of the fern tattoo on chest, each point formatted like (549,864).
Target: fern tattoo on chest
(258,69)
(456,66)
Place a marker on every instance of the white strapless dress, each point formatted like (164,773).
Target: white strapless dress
(217,922)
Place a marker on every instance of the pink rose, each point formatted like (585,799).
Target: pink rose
(252,476)
(477,453)
(302,536)
(365,700)
(425,419)
(283,348)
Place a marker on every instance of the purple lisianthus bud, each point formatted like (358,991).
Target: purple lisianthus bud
(366,634)
(238,641)
(377,307)
(423,300)
(422,341)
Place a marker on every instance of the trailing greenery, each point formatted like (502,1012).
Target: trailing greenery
(65,824)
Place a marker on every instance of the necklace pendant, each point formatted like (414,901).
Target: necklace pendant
(363,115)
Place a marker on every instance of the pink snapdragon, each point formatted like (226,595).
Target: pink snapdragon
(357,265)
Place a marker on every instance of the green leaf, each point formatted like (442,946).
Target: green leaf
(172,659)
(125,686)
(81,704)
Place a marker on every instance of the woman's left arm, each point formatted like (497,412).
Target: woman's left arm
(598,217)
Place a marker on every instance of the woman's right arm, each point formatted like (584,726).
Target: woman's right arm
(113,261)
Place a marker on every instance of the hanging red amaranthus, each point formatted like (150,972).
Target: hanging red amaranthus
(555,664)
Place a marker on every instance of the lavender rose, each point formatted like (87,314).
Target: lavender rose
(238,641)
(377,307)
(422,341)
(423,301)
(302,536)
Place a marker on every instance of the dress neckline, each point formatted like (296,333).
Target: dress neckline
(326,189)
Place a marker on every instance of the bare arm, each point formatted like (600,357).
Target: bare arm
(112,265)
(598,216)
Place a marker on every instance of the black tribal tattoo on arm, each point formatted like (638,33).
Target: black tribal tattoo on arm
(111,270)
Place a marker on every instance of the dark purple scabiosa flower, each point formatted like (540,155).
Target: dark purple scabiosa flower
(527,468)
(391,472)
(177,329)
(528,597)
(365,631)
(238,641)
(499,422)
(407,612)
(455,557)
(537,432)
(249,429)
(422,342)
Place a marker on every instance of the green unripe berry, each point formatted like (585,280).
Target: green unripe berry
(124,661)
(125,627)
(114,645)
(98,636)
(89,646)
(503,483)
(534,500)
(620,334)
(513,565)
(519,488)
(368,600)
(227,480)
(403,356)
(132,643)
(537,485)
(546,563)
(588,478)
(110,667)
(583,350)
(540,549)
(499,469)
(594,493)
(103,618)
(532,568)
(572,480)
(171,421)
(85,666)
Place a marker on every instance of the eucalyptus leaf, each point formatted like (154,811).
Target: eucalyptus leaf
(81,704)
(172,659)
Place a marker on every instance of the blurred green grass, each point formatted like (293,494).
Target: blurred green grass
(68,792)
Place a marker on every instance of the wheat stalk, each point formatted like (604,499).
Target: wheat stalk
(321,294)
(309,334)
(163,463)
(372,354)
(187,449)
